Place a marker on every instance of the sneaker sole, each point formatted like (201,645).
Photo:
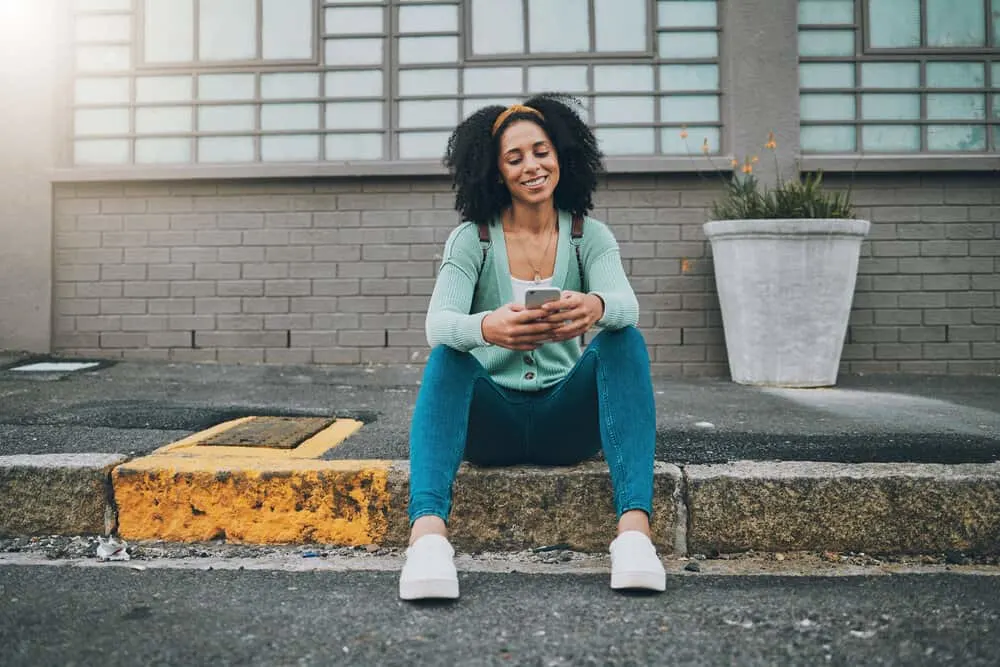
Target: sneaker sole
(649,581)
(429,589)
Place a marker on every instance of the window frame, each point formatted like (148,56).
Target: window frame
(139,43)
(468,54)
(923,50)
(863,55)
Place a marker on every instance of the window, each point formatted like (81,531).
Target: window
(906,76)
(174,82)
(207,32)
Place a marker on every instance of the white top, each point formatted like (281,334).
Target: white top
(522,286)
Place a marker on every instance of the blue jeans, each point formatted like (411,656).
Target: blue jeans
(605,402)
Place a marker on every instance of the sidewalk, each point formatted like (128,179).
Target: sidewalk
(891,464)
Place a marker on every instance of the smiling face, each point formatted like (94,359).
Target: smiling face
(528,163)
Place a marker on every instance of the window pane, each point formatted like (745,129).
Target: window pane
(289,117)
(611,78)
(689,108)
(354,84)
(227,30)
(90,122)
(225,149)
(101,5)
(626,141)
(685,14)
(353,51)
(558,26)
(894,23)
(289,148)
(684,45)
(571,79)
(428,18)
(689,77)
(956,75)
(413,50)
(956,106)
(826,11)
(295,85)
(881,106)
(492,80)
(470,107)
(168,33)
(103,58)
(425,145)
(671,142)
(354,146)
(995,75)
(354,115)
(826,42)
(428,114)
(497,27)
(826,75)
(428,82)
(288,29)
(226,118)
(890,75)
(996,37)
(629,110)
(102,151)
(620,25)
(103,28)
(951,23)
(827,107)
(354,20)
(160,120)
(956,137)
(101,91)
(162,151)
(225,87)
(828,139)
(891,138)
(996,107)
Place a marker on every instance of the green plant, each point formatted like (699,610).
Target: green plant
(746,198)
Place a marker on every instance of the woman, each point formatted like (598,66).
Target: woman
(506,384)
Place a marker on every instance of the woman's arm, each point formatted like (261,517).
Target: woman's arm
(606,278)
(448,319)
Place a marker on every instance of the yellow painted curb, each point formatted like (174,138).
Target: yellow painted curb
(187,492)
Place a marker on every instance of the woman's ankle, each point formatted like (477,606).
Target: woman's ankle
(634,520)
(428,525)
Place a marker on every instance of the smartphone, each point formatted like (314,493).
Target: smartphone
(534,298)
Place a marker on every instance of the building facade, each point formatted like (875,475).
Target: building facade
(260,180)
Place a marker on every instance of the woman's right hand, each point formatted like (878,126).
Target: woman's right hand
(515,328)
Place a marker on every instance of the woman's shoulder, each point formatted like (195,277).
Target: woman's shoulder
(597,234)
(463,239)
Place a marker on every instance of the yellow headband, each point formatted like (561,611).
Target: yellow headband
(512,109)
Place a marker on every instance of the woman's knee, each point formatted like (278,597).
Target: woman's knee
(448,360)
(625,340)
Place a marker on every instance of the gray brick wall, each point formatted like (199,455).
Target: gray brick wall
(340,272)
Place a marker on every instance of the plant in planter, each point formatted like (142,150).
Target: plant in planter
(786,262)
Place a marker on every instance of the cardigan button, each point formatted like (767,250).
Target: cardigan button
(528,360)
(529,376)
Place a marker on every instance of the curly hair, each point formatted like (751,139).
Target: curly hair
(473,153)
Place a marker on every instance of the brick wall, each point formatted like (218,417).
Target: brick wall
(341,271)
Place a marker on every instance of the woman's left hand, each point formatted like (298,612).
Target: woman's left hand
(575,313)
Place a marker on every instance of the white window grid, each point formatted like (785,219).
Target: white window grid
(126,112)
(850,104)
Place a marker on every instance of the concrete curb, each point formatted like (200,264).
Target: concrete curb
(876,508)
(62,494)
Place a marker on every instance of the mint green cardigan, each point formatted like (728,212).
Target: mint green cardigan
(457,308)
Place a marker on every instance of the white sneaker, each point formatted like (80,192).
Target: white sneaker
(429,571)
(634,563)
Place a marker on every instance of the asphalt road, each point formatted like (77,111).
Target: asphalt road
(57,615)
(132,408)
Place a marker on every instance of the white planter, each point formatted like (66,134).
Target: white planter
(785,287)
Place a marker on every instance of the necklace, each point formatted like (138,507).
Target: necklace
(545,253)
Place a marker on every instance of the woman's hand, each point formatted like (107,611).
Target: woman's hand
(573,314)
(516,328)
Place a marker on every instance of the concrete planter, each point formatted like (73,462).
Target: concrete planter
(786,288)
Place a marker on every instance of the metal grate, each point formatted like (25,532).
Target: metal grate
(271,432)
